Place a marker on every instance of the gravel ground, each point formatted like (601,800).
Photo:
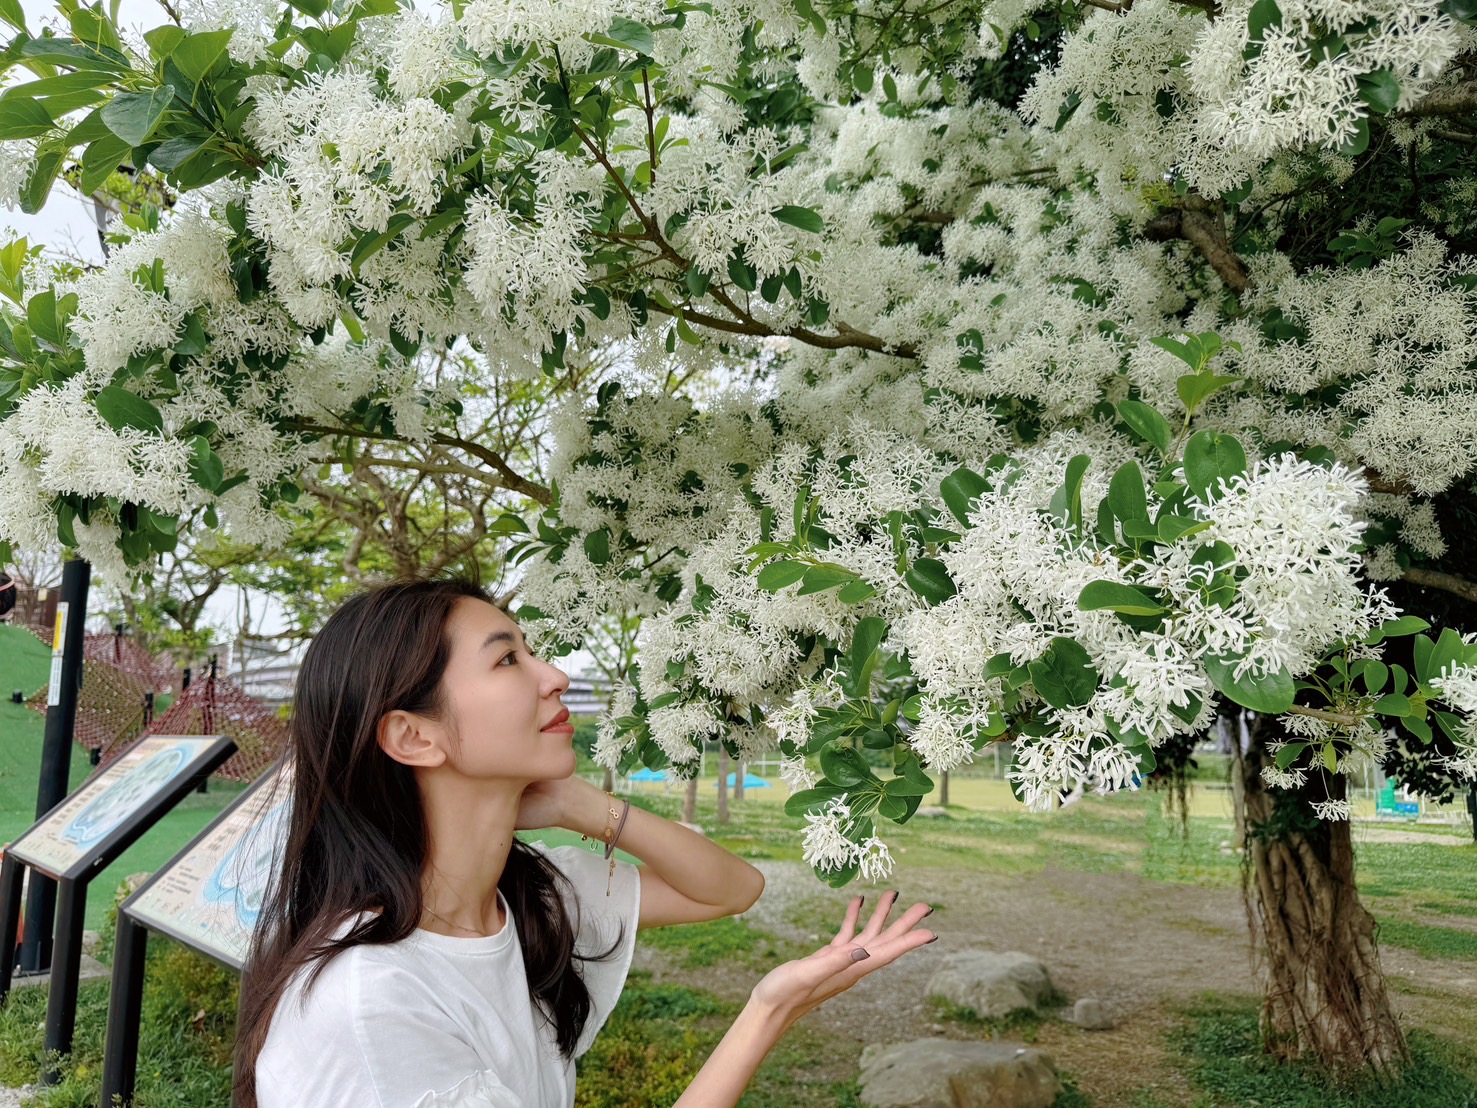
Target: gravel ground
(11,1098)
(1143,948)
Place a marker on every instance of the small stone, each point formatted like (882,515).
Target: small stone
(1090,1015)
(932,810)
(945,1073)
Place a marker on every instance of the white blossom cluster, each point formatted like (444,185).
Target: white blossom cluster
(826,844)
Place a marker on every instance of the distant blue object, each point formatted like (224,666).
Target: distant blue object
(647,775)
(750,781)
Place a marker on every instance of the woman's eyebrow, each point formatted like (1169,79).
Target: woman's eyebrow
(496,637)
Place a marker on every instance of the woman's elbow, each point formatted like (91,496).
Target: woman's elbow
(747,891)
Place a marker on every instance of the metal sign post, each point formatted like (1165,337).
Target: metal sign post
(81,836)
(56,751)
(207,897)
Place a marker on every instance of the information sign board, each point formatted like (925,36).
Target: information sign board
(210,894)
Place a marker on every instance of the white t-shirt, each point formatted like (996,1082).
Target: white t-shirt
(435,1021)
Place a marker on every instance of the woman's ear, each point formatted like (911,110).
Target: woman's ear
(410,739)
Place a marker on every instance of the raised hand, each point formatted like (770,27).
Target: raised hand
(796,987)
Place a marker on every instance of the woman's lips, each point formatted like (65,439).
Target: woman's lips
(559,725)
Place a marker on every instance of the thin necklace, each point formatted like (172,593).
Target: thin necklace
(453,923)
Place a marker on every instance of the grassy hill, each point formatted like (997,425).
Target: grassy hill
(25,664)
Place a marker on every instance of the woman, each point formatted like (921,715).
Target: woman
(413,953)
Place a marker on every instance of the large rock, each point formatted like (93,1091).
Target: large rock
(994,984)
(944,1073)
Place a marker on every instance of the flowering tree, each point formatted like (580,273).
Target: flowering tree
(1083,366)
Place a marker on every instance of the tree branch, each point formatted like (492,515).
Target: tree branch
(512,480)
(1458,99)
(1342,719)
(1203,225)
(1446,582)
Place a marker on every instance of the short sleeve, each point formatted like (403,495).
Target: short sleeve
(479,1090)
(604,923)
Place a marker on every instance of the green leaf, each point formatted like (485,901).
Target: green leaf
(1357,143)
(1193,388)
(1289,754)
(12,12)
(1212,457)
(1375,674)
(902,786)
(1380,90)
(597,546)
(807,219)
(121,408)
(844,766)
(41,315)
(1147,423)
(855,592)
(163,40)
(43,175)
(172,153)
(1263,14)
(101,158)
(629,35)
(1179,349)
(197,54)
(819,578)
(1269,694)
(1395,628)
(810,800)
(960,490)
(1064,676)
(206,469)
(1126,495)
(22,117)
(859,660)
(1392,704)
(742,274)
(132,116)
(1422,648)
(929,578)
(1076,470)
(1448,653)
(1097,595)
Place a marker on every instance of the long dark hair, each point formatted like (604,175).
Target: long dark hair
(357,842)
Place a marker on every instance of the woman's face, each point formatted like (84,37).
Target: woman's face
(505,714)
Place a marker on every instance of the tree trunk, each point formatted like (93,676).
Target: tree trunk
(944,789)
(689,802)
(722,785)
(738,781)
(1324,993)
(608,781)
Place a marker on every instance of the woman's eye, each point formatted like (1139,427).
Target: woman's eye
(509,659)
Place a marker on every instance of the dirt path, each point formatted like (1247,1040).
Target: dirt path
(1144,948)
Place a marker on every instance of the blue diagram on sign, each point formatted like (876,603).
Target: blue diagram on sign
(239,880)
(107,811)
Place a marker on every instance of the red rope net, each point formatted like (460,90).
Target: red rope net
(117,676)
(218,706)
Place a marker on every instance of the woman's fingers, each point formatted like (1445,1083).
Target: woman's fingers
(848,925)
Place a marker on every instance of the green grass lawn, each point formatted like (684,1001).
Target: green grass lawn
(25,664)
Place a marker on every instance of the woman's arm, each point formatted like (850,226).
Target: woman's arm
(685,878)
(793,989)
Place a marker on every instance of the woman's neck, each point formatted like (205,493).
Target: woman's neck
(469,827)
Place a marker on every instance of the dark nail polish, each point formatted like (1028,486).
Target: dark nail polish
(858,954)
(892,895)
(932,940)
(928,913)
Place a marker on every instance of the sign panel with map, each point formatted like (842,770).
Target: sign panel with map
(82,830)
(210,894)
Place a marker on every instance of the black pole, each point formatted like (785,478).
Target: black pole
(125,1012)
(11,875)
(1472,808)
(61,1004)
(56,754)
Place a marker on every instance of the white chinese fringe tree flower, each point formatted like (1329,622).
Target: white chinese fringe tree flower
(967,387)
